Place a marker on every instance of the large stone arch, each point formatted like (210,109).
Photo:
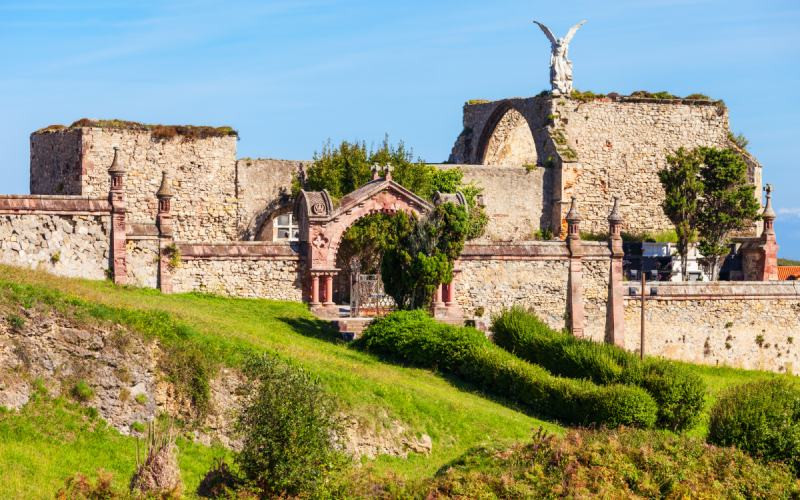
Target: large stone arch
(323,224)
(507,138)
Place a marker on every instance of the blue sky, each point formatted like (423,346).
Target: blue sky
(290,74)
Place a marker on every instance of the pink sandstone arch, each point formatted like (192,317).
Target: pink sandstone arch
(322,226)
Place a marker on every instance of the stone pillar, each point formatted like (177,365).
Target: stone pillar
(615,316)
(575,290)
(166,244)
(769,243)
(314,289)
(119,238)
(329,289)
(438,300)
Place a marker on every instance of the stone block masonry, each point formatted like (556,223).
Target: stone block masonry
(203,172)
(71,245)
(594,150)
(752,325)
(515,198)
(252,270)
(263,189)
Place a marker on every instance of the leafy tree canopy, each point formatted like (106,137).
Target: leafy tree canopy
(424,254)
(343,169)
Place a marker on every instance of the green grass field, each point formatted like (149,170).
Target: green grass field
(49,440)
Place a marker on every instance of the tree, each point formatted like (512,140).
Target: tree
(287,426)
(683,188)
(342,169)
(424,256)
(728,202)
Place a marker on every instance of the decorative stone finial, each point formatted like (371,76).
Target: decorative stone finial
(376,173)
(615,217)
(165,191)
(573,215)
(768,210)
(388,170)
(116,167)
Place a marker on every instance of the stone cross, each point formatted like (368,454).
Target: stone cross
(560,65)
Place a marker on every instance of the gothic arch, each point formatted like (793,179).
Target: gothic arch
(507,138)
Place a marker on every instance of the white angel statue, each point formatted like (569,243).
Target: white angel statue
(560,65)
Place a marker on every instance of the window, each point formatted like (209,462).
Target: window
(286,228)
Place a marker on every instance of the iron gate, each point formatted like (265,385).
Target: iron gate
(367,296)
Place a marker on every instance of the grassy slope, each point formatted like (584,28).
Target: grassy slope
(50,440)
(456,418)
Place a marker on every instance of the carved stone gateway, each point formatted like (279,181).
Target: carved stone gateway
(560,65)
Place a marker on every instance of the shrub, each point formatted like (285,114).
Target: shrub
(678,392)
(189,370)
(81,487)
(413,337)
(762,418)
(16,321)
(82,391)
(286,426)
(625,463)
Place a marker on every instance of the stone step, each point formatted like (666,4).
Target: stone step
(351,328)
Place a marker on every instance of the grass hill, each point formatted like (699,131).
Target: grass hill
(50,439)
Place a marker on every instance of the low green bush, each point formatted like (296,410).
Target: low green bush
(678,392)
(414,338)
(761,418)
(82,391)
(287,426)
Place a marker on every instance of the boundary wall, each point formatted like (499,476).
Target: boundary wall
(573,284)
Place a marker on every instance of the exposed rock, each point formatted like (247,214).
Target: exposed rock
(364,440)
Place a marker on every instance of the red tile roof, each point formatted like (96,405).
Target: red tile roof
(788,272)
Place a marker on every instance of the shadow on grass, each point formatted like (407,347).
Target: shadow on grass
(314,328)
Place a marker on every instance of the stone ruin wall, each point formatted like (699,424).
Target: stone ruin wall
(743,325)
(514,198)
(264,187)
(70,245)
(621,146)
(203,174)
(55,163)
(248,270)
(142,262)
(593,150)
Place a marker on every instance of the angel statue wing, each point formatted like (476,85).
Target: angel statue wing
(548,33)
(572,31)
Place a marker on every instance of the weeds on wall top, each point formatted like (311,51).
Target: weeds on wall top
(158,132)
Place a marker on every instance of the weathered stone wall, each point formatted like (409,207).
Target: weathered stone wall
(753,325)
(493,277)
(264,187)
(515,198)
(142,262)
(596,150)
(595,277)
(479,144)
(74,245)
(260,270)
(203,173)
(56,163)
(621,146)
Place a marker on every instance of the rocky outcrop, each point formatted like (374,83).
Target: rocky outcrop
(118,373)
